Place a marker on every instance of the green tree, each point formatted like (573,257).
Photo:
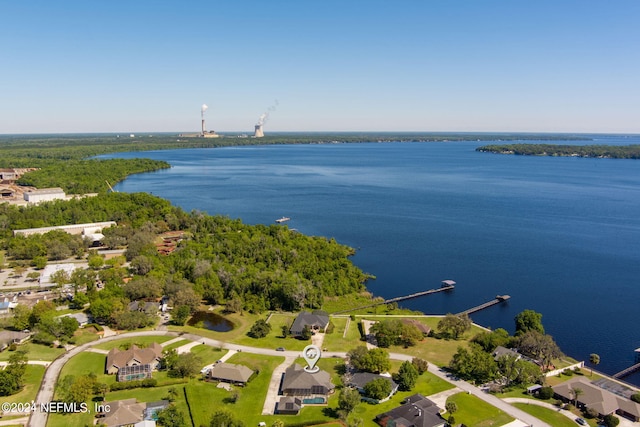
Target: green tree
(452,326)
(473,364)
(224,419)
(421,365)
(490,340)
(259,329)
(451,407)
(21,314)
(636,397)
(180,314)
(378,388)
(539,346)
(306,333)
(39,262)
(611,420)
(375,360)
(186,365)
(529,320)
(170,417)
(348,399)
(407,376)
(594,359)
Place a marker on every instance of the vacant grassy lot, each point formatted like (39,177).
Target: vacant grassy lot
(139,341)
(274,339)
(547,415)
(32,379)
(474,412)
(207,354)
(35,352)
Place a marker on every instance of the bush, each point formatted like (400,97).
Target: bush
(611,420)
(545,393)
(567,372)
(636,397)
(590,413)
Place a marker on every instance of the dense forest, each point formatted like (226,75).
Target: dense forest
(221,260)
(595,151)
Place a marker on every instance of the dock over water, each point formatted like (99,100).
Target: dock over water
(497,300)
(446,286)
(626,372)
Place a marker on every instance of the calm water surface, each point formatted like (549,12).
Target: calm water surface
(560,235)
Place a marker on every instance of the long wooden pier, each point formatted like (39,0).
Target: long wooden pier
(497,300)
(446,286)
(626,372)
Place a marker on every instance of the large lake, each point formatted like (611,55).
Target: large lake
(560,235)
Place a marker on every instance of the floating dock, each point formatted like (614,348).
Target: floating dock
(497,300)
(446,286)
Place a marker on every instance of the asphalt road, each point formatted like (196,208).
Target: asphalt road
(45,394)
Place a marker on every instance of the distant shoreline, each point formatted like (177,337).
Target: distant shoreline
(550,150)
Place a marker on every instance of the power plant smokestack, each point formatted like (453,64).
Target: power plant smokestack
(202,110)
(259,133)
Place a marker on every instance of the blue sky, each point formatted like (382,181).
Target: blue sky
(138,66)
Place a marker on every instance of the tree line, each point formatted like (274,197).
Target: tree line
(594,151)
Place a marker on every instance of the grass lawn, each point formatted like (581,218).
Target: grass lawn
(337,340)
(35,352)
(547,415)
(140,341)
(32,379)
(350,301)
(175,345)
(274,338)
(207,354)
(474,412)
(85,335)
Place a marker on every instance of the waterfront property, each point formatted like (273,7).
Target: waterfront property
(316,321)
(503,351)
(416,411)
(596,398)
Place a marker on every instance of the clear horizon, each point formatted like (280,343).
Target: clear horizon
(489,67)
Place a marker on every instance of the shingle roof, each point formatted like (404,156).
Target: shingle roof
(230,372)
(120,358)
(360,379)
(595,397)
(417,411)
(315,319)
(297,378)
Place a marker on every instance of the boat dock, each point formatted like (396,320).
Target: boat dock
(446,286)
(497,300)
(626,372)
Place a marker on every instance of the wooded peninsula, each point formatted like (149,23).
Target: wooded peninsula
(592,151)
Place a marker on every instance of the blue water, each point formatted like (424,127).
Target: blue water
(560,235)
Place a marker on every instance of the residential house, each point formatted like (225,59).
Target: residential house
(12,337)
(300,383)
(419,325)
(135,363)
(316,321)
(83,319)
(230,373)
(129,412)
(594,397)
(503,351)
(416,411)
(289,405)
(148,307)
(361,379)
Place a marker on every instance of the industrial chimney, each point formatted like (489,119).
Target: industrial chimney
(258,133)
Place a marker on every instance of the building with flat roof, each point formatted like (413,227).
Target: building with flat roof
(44,195)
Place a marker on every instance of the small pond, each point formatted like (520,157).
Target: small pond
(211,321)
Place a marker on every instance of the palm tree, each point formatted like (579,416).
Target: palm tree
(595,360)
(577,392)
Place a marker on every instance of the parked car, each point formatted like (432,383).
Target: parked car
(581,421)
(280,349)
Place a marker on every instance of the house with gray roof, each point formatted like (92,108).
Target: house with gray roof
(596,398)
(12,337)
(503,351)
(361,379)
(416,411)
(289,405)
(316,321)
(230,373)
(298,382)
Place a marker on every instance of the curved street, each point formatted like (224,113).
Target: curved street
(45,394)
